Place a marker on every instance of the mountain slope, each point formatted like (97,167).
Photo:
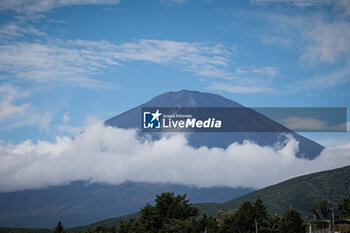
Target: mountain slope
(301,192)
(132,119)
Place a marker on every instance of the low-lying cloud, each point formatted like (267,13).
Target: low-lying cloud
(112,155)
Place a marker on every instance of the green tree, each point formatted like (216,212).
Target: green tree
(322,210)
(131,226)
(245,218)
(291,222)
(273,223)
(249,214)
(344,208)
(59,228)
(104,229)
(226,221)
(170,214)
(208,223)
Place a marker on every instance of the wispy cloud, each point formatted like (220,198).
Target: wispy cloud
(76,61)
(276,40)
(8,108)
(320,37)
(17,29)
(65,118)
(193,56)
(332,78)
(342,6)
(34,6)
(315,38)
(72,130)
(51,62)
(173,1)
(16,109)
(237,89)
(249,79)
(298,3)
(328,42)
(45,123)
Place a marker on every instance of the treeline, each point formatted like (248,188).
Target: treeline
(174,214)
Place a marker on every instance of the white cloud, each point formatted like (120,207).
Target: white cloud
(46,122)
(273,40)
(316,38)
(337,139)
(15,114)
(342,6)
(321,37)
(329,42)
(73,130)
(232,88)
(16,29)
(339,76)
(298,3)
(8,95)
(52,62)
(66,118)
(257,76)
(106,154)
(9,110)
(76,61)
(173,1)
(268,71)
(249,79)
(34,6)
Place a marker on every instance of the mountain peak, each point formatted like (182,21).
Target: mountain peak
(189,98)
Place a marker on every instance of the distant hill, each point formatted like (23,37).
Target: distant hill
(301,192)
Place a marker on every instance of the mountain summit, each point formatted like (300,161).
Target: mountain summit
(185,98)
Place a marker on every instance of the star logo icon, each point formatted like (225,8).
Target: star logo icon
(156,115)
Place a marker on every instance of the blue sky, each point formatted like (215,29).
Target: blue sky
(62,64)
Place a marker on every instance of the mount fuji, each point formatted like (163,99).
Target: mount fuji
(132,119)
(81,203)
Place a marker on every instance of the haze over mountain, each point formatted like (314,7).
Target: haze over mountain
(81,203)
(132,119)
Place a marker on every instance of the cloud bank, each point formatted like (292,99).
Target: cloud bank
(112,155)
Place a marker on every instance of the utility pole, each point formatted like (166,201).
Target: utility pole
(332,208)
(310,228)
(256,226)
